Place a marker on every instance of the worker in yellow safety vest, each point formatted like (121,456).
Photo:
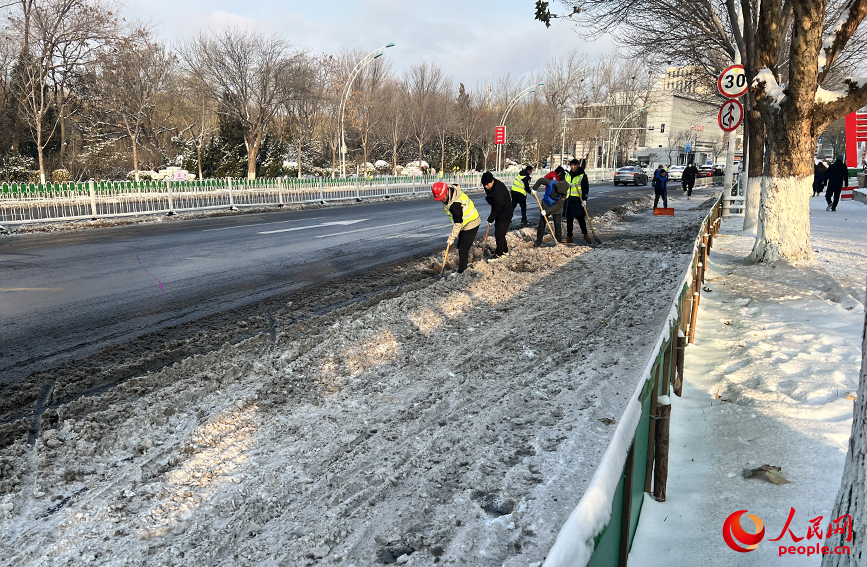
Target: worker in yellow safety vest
(519,192)
(465,219)
(579,190)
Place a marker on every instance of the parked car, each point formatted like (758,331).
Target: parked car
(675,172)
(630,175)
(706,171)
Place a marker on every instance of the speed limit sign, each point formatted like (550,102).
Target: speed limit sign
(732,82)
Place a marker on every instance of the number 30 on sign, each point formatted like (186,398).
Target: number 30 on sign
(732,82)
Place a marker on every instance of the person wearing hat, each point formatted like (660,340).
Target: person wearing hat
(578,192)
(519,192)
(497,196)
(465,219)
(660,186)
(559,190)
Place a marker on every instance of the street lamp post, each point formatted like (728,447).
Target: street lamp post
(347,89)
(613,148)
(509,107)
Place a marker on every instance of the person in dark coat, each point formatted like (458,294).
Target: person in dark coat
(820,178)
(497,195)
(688,179)
(838,175)
(519,192)
(660,187)
(555,211)
(578,192)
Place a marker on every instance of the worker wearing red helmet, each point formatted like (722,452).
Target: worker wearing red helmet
(465,219)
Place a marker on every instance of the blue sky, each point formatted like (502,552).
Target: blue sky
(473,41)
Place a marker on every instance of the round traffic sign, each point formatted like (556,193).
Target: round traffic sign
(731,113)
(732,82)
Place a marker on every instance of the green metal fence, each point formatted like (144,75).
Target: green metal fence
(635,450)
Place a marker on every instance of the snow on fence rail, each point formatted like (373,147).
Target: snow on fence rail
(602,526)
(25,203)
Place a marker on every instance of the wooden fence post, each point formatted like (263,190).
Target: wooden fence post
(651,435)
(680,356)
(660,469)
(626,509)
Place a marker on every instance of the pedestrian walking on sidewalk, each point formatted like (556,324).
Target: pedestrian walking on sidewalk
(838,176)
(519,192)
(820,178)
(579,190)
(688,178)
(497,196)
(660,187)
(465,219)
(552,201)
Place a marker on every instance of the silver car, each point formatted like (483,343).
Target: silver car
(630,175)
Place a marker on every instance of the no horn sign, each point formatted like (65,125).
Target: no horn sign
(731,113)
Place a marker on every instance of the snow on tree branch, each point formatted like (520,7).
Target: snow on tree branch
(766,83)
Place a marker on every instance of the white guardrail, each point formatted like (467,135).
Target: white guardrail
(90,200)
(26,203)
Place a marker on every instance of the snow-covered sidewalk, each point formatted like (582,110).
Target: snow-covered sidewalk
(768,381)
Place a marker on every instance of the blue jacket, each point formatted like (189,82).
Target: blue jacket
(660,182)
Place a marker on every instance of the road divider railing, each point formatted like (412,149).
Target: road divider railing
(26,203)
(601,528)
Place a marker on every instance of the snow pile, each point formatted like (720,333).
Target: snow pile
(824,96)
(773,90)
(447,420)
(769,380)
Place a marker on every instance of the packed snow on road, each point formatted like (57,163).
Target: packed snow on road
(455,420)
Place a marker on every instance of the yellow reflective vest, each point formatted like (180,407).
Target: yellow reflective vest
(574,180)
(470,213)
(518,186)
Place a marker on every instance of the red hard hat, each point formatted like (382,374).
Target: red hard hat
(440,191)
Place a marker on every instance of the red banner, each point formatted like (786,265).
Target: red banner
(500,135)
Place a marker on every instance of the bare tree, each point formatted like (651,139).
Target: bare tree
(250,75)
(309,101)
(365,106)
(444,119)
(468,120)
(394,125)
(423,82)
(53,27)
(133,77)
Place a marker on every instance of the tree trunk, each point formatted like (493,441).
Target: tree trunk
(442,153)
(40,151)
(756,152)
(133,138)
(199,159)
(467,162)
(852,496)
(252,154)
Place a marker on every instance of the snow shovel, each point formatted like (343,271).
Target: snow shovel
(590,224)
(446,259)
(485,241)
(544,216)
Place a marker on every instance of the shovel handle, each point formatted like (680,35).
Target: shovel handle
(446,259)
(544,216)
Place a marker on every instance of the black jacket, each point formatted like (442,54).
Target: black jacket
(689,174)
(838,173)
(500,201)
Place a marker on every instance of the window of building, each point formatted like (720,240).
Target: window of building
(662,129)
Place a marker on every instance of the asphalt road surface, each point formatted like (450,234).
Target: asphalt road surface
(65,295)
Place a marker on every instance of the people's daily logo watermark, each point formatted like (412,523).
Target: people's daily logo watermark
(737,537)
(742,541)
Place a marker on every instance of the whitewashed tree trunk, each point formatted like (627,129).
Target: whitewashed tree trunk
(852,497)
(784,220)
(751,205)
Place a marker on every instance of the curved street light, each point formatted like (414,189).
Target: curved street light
(619,128)
(347,89)
(509,107)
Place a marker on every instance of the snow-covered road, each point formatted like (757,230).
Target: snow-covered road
(455,420)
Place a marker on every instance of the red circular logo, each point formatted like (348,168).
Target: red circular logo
(737,538)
